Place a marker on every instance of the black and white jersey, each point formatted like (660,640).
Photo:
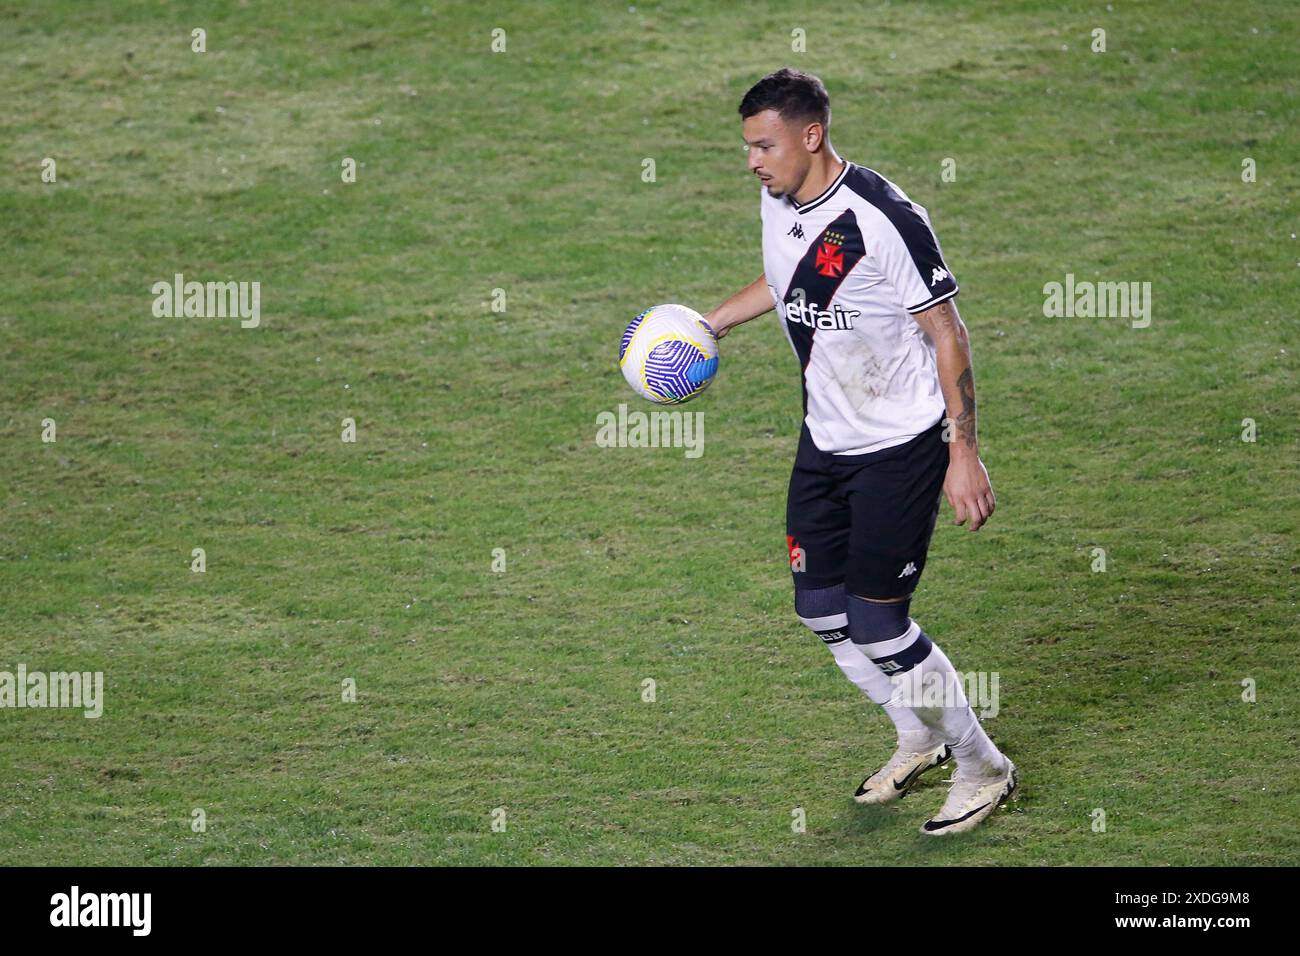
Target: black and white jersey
(847,271)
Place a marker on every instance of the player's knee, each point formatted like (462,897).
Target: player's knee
(873,622)
(886,634)
(822,610)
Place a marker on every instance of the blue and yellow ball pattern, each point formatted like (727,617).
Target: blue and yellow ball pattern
(628,333)
(677,369)
(668,354)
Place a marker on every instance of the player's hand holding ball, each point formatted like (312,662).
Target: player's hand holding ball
(716,324)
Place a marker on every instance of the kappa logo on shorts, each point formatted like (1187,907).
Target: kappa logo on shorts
(798,561)
(910,569)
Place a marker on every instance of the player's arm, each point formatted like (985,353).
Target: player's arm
(749,303)
(967,482)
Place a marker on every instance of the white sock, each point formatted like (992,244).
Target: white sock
(824,612)
(871,680)
(932,690)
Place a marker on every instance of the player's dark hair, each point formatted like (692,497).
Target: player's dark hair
(794,94)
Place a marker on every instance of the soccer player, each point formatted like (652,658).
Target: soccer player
(866,300)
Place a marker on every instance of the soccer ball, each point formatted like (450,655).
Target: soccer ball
(668,354)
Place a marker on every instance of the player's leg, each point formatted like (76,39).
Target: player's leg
(824,611)
(895,503)
(817,537)
(919,747)
(922,678)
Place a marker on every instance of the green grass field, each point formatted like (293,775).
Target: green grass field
(522,171)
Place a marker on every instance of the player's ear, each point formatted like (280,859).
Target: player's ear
(813,136)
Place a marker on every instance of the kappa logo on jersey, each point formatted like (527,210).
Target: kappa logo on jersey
(938,276)
(830,255)
(796,230)
(798,561)
(910,569)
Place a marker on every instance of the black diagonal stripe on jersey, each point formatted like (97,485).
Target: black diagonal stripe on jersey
(918,237)
(818,288)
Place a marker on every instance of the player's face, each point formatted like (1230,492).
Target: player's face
(778,152)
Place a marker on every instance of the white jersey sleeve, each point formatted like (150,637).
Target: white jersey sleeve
(905,250)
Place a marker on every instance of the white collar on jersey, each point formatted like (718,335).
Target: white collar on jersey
(826,193)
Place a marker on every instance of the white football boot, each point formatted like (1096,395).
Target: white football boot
(894,779)
(971,800)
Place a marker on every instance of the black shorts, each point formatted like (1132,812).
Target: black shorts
(865,520)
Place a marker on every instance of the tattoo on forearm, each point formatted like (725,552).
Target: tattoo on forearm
(947,315)
(966,419)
